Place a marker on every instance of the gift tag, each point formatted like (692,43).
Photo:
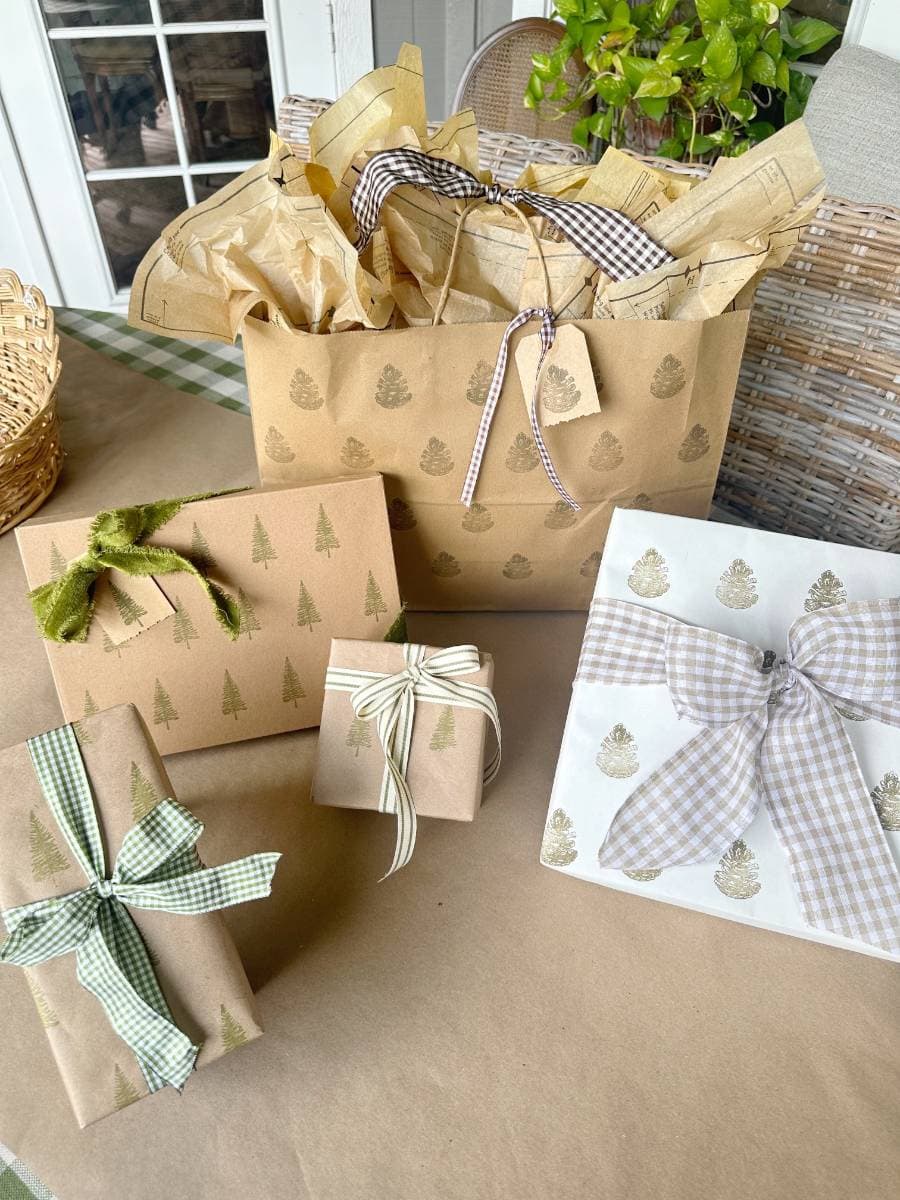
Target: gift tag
(567,387)
(126,605)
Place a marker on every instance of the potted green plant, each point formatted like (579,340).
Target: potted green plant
(686,76)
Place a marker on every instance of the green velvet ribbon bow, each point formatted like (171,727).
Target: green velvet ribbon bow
(64,607)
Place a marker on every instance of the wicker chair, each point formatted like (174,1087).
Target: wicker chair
(503,154)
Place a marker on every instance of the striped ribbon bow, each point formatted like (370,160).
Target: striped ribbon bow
(615,244)
(770,734)
(156,868)
(390,700)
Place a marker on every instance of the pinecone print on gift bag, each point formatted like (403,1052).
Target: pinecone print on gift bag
(560,516)
(737,586)
(558,391)
(436,459)
(590,566)
(618,757)
(517,567)
(48,1017)
(644,876)
(558,847)
(124,1091)
(392,390)
(641,501)
(477,519)
(232,1031)
(183,631)
(444,736)
(522,455)
(291,688)
(304,391)
(129,609)
(479,382)
(144,795)
(400,516)
(650,575)
(232,702)
(886,798)
(47,859)
(326,538)
(261,548)
(445,566)
(356,456)
(277,447)
(695,445)
(668,378)
(827,591)
(164,711)
(738,873)
(359,736)
(607,453)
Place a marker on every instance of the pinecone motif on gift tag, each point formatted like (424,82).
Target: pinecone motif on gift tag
(291,688)
(886,798)
(827,591)
(522,455)
(48,1017)
(617,757)
(590,566)
(607,453)
(558,390)
(232,701)
(477,519)
(261,548)
(517,567)
(668,378)
(737,586)
(124,1091)
(650,575)
(479,382)
(47,859)
(400,515)
(558,847)
(304,391)
(232,1031)
(738,873)
(641,501)
(164,711)
(359,736)
(644,876)
(374,600)
(695,445)
(392,390)
(144,795)
(444,735)
(445,565)
(436,459)
(560,516)
(276,446)
(356,456)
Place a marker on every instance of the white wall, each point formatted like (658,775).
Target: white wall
(876,24)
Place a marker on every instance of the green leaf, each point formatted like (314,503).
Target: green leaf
(670,148)
(812,34)
(783,76)
(613,89)
(634,69)
(801,85)
(534,91)
(684,54)
(581,133)
(568,8)
(761,68)
(721,53)
(621,16)
(660,11)
(731,88)
(712,10)
(721,137)
(658,82)
(573,28)
(701,143)
(758,131)
(682,127)
(766,11)
(654,109)
(604,129)
(743,108)
(771,43)
(591,33)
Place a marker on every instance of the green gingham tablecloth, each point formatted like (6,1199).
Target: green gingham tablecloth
(17,1182)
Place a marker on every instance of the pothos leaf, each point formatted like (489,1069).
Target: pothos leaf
(720,59)
(658,82)
(654,109)
(761,68)
(670,148)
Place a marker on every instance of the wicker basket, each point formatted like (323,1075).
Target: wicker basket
(30,454)
(505,155)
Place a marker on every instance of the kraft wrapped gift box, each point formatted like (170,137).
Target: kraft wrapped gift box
(304,563)
(194,958)
(750,585)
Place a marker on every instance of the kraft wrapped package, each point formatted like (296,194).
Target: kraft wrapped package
(446,758)
(753,586)
(194,958)
(303,563)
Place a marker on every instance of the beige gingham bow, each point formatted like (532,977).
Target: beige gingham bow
(770,733)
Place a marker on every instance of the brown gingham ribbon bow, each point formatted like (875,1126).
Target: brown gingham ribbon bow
(770,733)
(610,240)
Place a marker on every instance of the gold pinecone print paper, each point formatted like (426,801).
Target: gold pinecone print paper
(517,567)
(738,873)
(477,518)
(401,516)
(827,591)
(650,575)
(695,445)
(886,798)
(737,586)
(618,758)
(606,453)
(558,846)
(668,378)
(558,391)
(392,390)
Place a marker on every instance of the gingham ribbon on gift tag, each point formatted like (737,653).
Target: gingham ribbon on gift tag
(770,734)
(390,700)
(156,868)
(615,244)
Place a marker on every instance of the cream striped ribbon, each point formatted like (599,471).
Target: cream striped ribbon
(390,700)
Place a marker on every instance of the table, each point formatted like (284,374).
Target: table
(477,1027)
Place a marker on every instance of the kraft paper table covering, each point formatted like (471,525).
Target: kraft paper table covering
(557,1039)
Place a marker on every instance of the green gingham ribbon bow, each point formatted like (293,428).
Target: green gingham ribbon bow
(391,701)
(64,607)
(156,868)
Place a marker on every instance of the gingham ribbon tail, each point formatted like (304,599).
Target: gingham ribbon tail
(157,868)
(770,734)
(390,700)
(611,241)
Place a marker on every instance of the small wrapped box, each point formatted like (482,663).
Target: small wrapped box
(403,730)
(733,740)
(98,873)
(295,565)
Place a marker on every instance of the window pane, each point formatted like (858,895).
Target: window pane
(225,90)
(211,10)
(61,14)
(117,100)
(207,185)
(131,213)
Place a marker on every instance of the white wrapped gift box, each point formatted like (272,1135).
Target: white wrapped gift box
(747,584)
